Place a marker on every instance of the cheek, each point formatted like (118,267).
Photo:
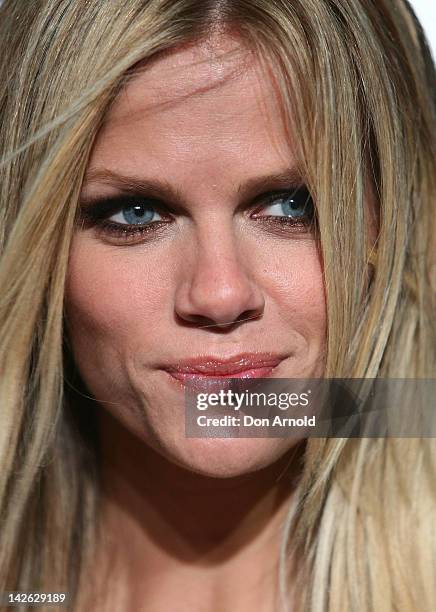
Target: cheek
(294,277)
(294,281)
(112,298)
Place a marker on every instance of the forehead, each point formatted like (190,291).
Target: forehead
(207,109)
(220,69)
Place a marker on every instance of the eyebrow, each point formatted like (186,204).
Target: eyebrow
(158,188)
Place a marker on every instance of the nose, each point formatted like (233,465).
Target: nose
(218,290)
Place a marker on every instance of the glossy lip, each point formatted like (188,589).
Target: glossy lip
(207,369)
(208,365)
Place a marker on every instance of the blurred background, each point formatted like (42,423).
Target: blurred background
(426,13)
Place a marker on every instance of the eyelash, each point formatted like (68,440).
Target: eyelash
(96,214)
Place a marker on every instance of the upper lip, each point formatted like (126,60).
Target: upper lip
(212,365)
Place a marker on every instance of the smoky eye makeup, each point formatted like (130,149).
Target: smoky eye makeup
(293,208)
(124,216)
(131,217)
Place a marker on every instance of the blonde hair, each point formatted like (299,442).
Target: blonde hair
(357,83)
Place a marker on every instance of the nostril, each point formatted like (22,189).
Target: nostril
(248,315)
(202,322)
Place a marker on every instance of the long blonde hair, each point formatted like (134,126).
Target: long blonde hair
(357,83)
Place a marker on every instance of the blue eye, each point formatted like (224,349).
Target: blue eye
(131,217)
(137,214)
(297,205)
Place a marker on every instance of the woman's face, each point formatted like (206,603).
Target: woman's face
(194,156)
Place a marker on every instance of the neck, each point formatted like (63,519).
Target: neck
(161,522)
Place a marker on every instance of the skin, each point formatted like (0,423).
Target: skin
(204,119)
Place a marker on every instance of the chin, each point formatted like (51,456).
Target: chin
(227,457)
(224,457)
